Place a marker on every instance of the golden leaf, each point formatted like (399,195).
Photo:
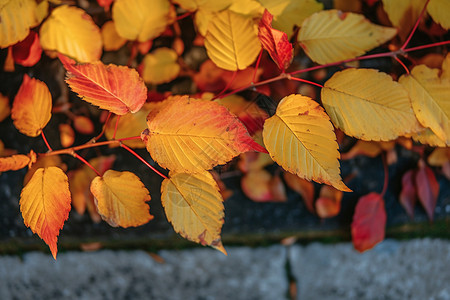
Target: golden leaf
(160,66)
(300,138)
(369,105)
(16,18)
(45,204)
(209,5)
(140,20)
(330,36)
(439,10)
(190,135)
(112,41)
(194,207)
(121,199)
(72,32)
(17,162)
(231,41)
(403,14)
(31,109)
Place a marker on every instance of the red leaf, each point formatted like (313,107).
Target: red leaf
(118,89)
(27,52)
(427,188)
(275,42)
(105,4)
(408,195)
(369,222)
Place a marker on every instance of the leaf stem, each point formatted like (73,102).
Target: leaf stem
(115,128)
(143,160)
(415,26)
(386,174)
(257,65)
(185,15)
(86,163)
(402,64)
(426,46)
(304,80)
(45,141)
(103,129)
(233,77)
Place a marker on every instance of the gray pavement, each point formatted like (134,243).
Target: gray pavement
(416,269)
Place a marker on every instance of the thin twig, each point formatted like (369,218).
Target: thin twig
(143,160)
(86,163)
(415,25)
(45,141)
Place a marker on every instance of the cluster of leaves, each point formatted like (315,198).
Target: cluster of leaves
(189,135)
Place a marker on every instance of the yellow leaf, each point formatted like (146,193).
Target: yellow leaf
(403,14)
(112,41)
(160,66)
(439,10)
(131,124)
(194,207)
(45,204)
(202,19)
(121,199)
(72,32)
(289,13)
(446,67)
(140,20)
(43,162)
(368,105)
(427,137)
(430,96)
(17,162)
(231,41)
(5,110)
(209,5)
(300,138)
(16,18)
(31,109)
(439,157)
(250,8)
(330,36)
(190,135)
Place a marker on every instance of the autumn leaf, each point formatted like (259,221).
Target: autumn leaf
(439,157)
(83,125)
(105,4)
(112,41)
(253,161)
(17,162)
(249,8)
(27,52)
(31,109)
(45,204)
(71,31)
(300,138)
(408,194)
(328,204)
(193,205)
(369,149)
(160,66)
(369,222)
(330,36)
(275,42)
(44,161)
(350,94)
(427,189)
(118,89)
(403,14)
(17,16)
(439,10)
(231,41)
(429,96)
(428,137)
(288,13)
(190,135)
(66,135)
(213,6)
(121,199)
(303,187)
(5,109)
(140,20)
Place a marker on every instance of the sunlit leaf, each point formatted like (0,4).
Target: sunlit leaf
(160,66)
(369,222)
(250,8)
(45,204)
(428,137)
(275,42)
(328,204)
(193,205)
(330,36)
(31,109)
(430,96)
(190,135)
(16,18)
(403,14)
(28,52)
(231,41)
(301,139)
(350,94)
(44,161)
(208,5)
(288,13)
(427,189)
(5,109)
(118,89)
(408,194)
(17,162)
(439,10)
(72,32)
(140,20)
(121,199)
(112,41)
(303,187)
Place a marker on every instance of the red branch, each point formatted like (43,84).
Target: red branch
(87,163)
(227,86)
(143,160)
(45,141)
(415,25)
(305,81)
(386,174)
(257,65)
(115,128)
(402,64)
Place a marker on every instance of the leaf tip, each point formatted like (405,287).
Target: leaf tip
(217,244)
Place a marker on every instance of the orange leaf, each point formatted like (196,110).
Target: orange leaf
(121,199)
(45,204)
(275,42)
(5,109)
(191,135)
(66,135)
(17,162)
(83,125)
(329,203)
(105,4)
(31,109)
(427,189)
(115,88)
(408,195)
(112,41)
(370,149)
(43,162)
(369,222)
(255,185)
(302,186)
(28,52)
